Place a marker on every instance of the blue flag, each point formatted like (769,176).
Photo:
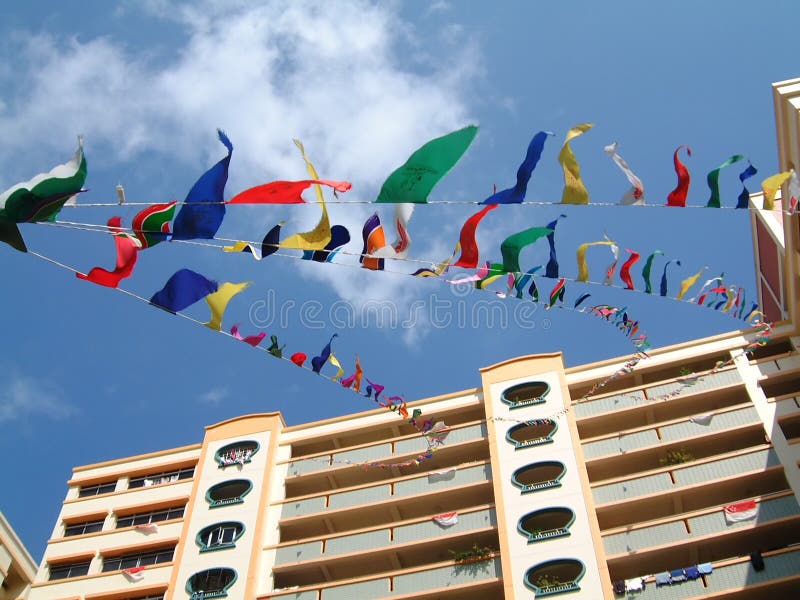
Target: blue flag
(182,290)
(319,361)
(516,194)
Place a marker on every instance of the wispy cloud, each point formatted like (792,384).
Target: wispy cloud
(215,396)
(23,397)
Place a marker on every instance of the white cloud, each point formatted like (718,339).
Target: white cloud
(344,77)
(23,396)
(215,395)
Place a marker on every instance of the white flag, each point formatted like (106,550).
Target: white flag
(147,527)
(635,195)
(740,511)
(702,419)
(134,573)
(446,519)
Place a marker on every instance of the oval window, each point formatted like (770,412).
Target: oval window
(532,433)
(228,492)
(237,453)
(555,577)
(539,476)
(525,394)
(546,524)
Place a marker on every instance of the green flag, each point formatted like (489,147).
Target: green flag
(415,179)
(713,180)
(513,245)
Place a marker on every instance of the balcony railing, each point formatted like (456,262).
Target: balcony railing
(382,450)
(367,495)
(388,536)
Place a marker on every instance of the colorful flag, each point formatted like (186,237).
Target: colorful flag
(513,245)
(551,270)
(664,275)
(298,358)
(317,238)
(625,271)
(319,361)
(253,340)
(580,255)
(339,237)
(574,190)
(414,180)
(151,225)
(648,265)
(516,194)
(127,248)
(147,527)
(398,248)
(354,379)
(274,349)
(770,187)
(557,293)
(440,269)
(269,245)
(446,519)
(635,195)
(713,180)
(374,238)
(335,362)
(134,573)
(217,301)
(183,289)
(284,192)
(740,511)
(204,208)
(744,197)
(677,197)
(469,246)
(689,282)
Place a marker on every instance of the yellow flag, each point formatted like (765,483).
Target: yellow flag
(335,362)
(574,190)
(317,238)
(689,282)
(218,301)
(770,187)
(583,268)
(237,247)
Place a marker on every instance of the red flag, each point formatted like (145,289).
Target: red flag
(446,519)
(283,192)
(740,511)
(469,247)
(298,358)
(625,271)
(677,197)
(127,248)
(134,573)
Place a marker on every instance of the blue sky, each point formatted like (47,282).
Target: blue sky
(92,374)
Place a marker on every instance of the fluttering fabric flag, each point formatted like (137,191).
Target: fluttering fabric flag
(399,247)
(204,208)
(664,275)
(414,180)
(134,573)
(635,195)
(609,279)
(580,255)
(339,238)
(744,197)
(704,419)
(513,245)
(319,361)
(480,274)
(713,180)
(740,511)
(146,527)
(557,293)
(274,349)
(335,362)
(317,238)
(253,340)
(689,282)
(377,387)
(521,280)
(770,187)
(440,269)
(574,190)
(151,225)
(284,192)
(469,246)
(625,270)
(677,197)
(40,198)
(298,358)
(355,379)
(551,270)
(374,238)
(516,194)
(183,288)
(648,265)
(446,519)
(701,296)
(581,299)
(217,301)
(269,245)
(127,249)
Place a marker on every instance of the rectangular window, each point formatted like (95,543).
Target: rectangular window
(64,571)
(159,478)
(81,528)
(150,517)
(96,490)
(130,561)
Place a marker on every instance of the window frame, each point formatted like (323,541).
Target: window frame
(180,475)
(149,516)
(208,531)
(69,566)
(221,462)
(137,557)
(238,500)
(532,402)
(84,525)
(219,593)
(97,489)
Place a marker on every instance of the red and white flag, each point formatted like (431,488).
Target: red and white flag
(134,573)
(740,511)
(446,519)
(147,527)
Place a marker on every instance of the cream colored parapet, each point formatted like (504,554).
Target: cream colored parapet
(17,568)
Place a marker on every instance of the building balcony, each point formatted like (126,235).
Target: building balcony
(407,486)
(445,581)
(144,496)
(386,536)
(113,538)
(344,469)
(695,526)
(154,575)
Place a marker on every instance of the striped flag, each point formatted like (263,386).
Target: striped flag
(446,519)
(740,511)
(134,573)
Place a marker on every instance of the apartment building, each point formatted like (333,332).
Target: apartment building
(660,486)
(17,568)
